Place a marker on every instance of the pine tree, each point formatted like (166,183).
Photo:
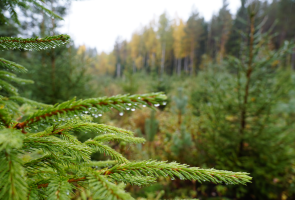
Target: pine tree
(41,159)
(236,37)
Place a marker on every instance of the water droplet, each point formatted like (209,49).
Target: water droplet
(143,105)
(156,105)
(99,115)
(127,108)
(129,104)
(133,109)
(121,114)
(164,103)
(172,178)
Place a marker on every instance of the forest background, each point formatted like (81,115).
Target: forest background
(202,67)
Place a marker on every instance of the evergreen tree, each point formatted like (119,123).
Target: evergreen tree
(239,29)
(240,116)
(41,159)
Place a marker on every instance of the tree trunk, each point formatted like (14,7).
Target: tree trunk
(163,59)
(153,61)
(179,66)
(118,70)
(192,60)
(186,64)
(175,65)
(133,67)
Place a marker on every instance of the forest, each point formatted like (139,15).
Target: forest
(229,84)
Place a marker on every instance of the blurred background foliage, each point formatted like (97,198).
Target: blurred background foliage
(207,70)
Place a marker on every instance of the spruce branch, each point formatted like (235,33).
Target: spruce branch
(73,107)
(8,88)
(12,65)
(97,146)
(77,125)
(173,169)
(133,180)
(100,185)
(7,43)
(5,117)
(72,180)
(10,139)
(13,182)
(47,161)
(53,144)
(59,189)
(49,12)
(98,164)
(109,137)
(23,100)
(104,189)
(12,78)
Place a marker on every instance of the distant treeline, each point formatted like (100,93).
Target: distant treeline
(175,46)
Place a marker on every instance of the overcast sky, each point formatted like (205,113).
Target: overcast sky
(97,23)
